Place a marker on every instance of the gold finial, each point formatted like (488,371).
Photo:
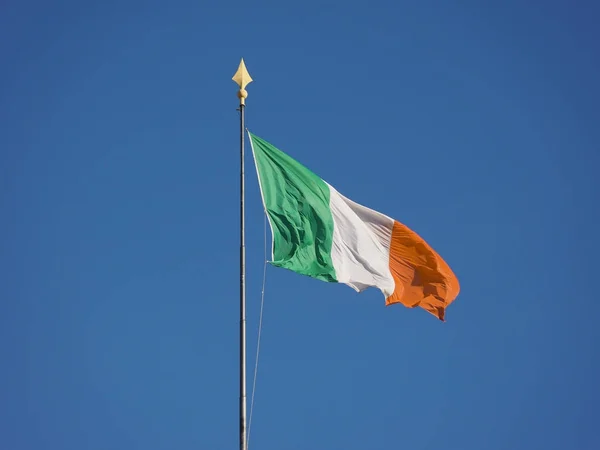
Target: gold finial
(242,78)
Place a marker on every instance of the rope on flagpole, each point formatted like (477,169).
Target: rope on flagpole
(262,301)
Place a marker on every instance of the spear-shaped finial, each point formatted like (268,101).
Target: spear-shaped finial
(242,78)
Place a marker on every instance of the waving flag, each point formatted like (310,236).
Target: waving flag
(322,234)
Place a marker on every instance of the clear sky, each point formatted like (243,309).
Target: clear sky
(475,125)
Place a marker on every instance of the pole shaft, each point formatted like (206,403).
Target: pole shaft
(243,440)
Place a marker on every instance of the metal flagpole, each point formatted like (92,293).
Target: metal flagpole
(242,78)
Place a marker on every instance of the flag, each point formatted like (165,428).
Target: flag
(320,233)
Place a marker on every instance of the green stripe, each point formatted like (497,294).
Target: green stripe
(297,203)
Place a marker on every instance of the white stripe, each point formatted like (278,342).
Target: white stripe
(361,245)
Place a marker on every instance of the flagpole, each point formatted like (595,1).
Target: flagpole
(242,78)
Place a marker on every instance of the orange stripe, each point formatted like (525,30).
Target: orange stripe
(422,277)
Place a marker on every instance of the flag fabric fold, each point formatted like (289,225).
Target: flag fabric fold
(320,233)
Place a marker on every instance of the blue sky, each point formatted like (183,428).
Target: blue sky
(476,125)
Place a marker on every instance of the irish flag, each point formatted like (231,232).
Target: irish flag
(322,234)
